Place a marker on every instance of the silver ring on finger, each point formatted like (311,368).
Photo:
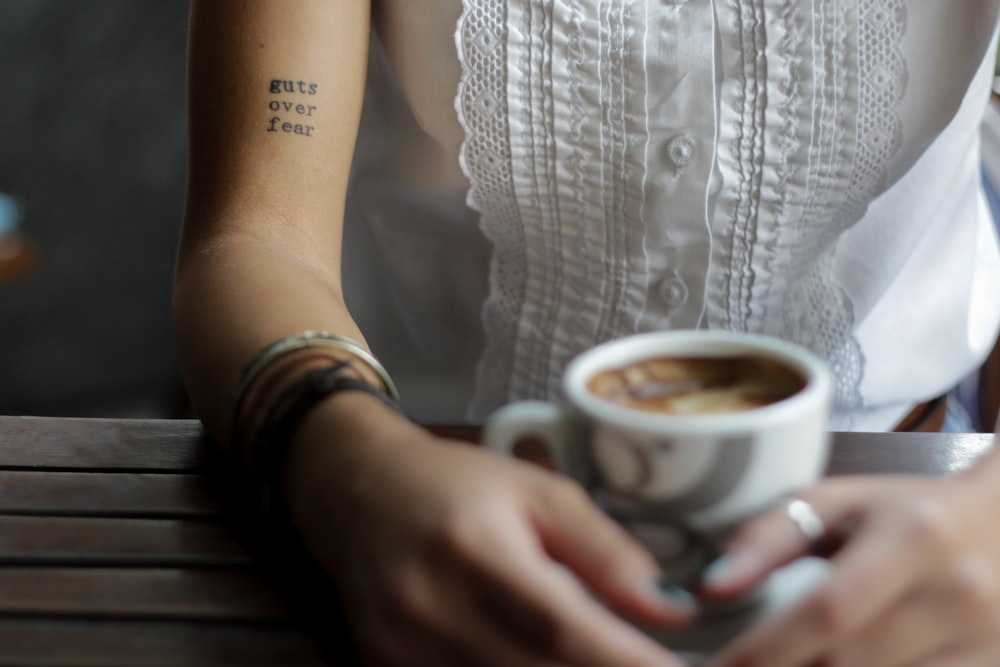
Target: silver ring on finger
(805,519)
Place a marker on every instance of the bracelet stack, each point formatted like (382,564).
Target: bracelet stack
(283,346)
(263,449)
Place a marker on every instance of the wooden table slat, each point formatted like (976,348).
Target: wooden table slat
(853,453)
(84,541)
(107,494)
(154,593)
(130,643)
(110,444)
(178,445)
(906,453)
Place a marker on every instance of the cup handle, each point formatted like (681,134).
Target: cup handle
(556,427)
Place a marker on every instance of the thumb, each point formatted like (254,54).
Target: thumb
(605,557)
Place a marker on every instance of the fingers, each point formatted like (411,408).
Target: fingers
(944,626)
(549,610)
(900,586)
(868,576)
(466,575)
(774,539)
(605,557)
(433,624)
(509,571)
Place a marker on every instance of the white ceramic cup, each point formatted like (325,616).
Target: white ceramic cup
(670,477)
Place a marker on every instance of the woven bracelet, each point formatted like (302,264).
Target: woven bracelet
(271,437)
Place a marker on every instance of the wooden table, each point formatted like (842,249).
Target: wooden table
(120,545)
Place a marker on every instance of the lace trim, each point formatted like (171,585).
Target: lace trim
(568,269)
(481,104)
(820,315)
(883,79)
(881,85)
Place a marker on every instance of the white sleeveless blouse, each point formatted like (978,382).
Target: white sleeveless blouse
(537,176)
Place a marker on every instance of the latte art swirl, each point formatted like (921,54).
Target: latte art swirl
(697,385)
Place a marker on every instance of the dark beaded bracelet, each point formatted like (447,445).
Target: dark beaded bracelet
(269,450)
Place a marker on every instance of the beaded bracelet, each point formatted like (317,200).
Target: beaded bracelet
(271,436)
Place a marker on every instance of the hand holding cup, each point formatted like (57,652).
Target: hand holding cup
(682,436)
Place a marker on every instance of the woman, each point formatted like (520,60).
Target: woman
(495,186)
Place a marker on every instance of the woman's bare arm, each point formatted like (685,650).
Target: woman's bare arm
(275,94)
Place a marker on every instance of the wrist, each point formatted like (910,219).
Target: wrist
(329,448)
(267,455)
(348,421)
(257,385)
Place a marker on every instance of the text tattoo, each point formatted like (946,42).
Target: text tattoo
(289,112)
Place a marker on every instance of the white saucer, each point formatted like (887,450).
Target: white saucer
(695,643)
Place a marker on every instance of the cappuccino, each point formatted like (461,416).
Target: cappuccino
(697,385)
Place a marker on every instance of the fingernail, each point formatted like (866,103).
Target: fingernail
(728,569)
(675,595)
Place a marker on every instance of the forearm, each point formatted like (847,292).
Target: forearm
(259,257)
(233,297)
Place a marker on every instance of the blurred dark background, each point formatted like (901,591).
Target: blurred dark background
(93,147)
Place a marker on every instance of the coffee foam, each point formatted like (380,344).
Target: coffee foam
(697,385)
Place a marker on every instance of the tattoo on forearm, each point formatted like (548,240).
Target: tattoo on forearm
(288,112)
